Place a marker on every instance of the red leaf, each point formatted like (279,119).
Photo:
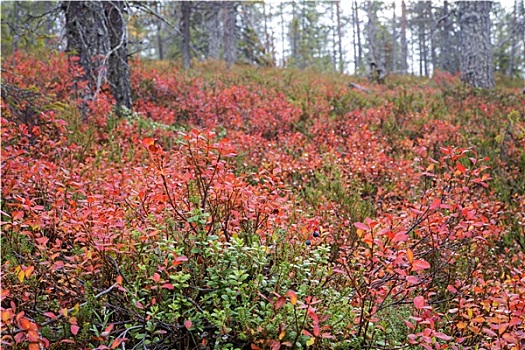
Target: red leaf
(400,237)
(412,279)
(156,277)
(168,286)
(361,226)
(187,324)
(461,168)
(74,329)
(452,289)
(409,324)
(50,315)
(435,204)
(443,336)
(418,265)
(316,329)
(419,302)
(279,303)
(490,332)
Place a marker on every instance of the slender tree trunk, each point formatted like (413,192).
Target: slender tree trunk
(394,38)
(433,56)
(16,18)
(160,46)
(230,32)
(294,35)
(359,43)
(118,67)
(354,30)
(404,46)
(339,38)
(513,40)
(476,49)
(334,36)
(185,22)
(371,35)
(283,33)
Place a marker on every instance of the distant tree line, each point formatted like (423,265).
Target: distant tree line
(472,38)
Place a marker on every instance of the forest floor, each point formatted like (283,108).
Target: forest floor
(260,208)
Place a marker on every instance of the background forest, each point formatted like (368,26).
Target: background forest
(407,37)
(250,175)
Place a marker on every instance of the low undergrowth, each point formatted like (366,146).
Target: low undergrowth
(260,210)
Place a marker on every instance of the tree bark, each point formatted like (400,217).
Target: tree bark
(213,26)
(339,38)
(185,22)
(96,33)
(160,45)
(394,38)
(230,32)
(359,43)
(476,49)
(513,40)
(118,66)
(87,37)
(404,46)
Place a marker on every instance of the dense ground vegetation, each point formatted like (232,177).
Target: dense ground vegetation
(260,209)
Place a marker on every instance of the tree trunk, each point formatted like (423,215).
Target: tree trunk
(230,32)
(513,40)
(433,57)
(359,43)
(476,49)
(185,22)
(404,46)
(96,33)
(282,34)
(339,38)
(446,50)
(213,26)
(118,66)
(160,46)
(354,30)
(394,38)
(87,37)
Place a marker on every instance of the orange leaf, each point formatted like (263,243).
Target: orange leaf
(33,346)
(293,297)
(24,323)
(116,343)
(147,141)
(510,338)
(29,271)
(410,255)
(17,215)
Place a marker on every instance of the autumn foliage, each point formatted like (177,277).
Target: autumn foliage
(259,210)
